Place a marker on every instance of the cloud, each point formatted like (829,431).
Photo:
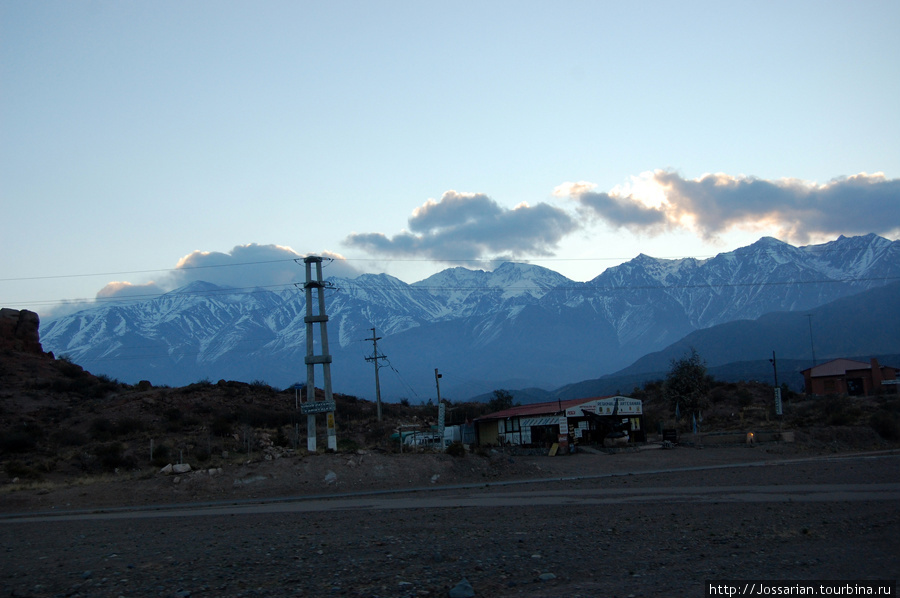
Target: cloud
(244,267)
(711,205)
(127,290)
(472,226)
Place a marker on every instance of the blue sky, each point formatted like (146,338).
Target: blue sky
(407,137)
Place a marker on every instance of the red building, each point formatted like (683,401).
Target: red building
(846,376)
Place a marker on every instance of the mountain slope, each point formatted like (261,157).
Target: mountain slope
(861,326)
(519,325)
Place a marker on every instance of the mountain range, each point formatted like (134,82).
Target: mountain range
(517,326)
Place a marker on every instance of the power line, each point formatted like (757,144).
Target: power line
(51,277)
(584,286)
(389,260)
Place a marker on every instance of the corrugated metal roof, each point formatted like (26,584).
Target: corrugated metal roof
(838,367)
(534,409)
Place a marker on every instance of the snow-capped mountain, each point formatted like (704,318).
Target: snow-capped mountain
(516,326)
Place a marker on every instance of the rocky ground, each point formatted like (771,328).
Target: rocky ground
(621,545)
(86,512)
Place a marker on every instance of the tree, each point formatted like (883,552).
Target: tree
(687,384)
(503,399)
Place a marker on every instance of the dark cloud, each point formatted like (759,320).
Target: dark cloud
(622,211)
(716,203)
(472,226)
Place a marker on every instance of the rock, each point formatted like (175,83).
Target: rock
(167,470)
(19,330)
(462,590)
(330,478)
(435,478)
(546,576)
(181,468)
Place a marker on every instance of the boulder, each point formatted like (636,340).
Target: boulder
(19,330)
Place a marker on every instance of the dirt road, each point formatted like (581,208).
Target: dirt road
(623,528)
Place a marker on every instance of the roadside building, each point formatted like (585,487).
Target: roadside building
(847,376)
(587,420)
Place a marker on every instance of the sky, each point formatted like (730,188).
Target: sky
(147,144)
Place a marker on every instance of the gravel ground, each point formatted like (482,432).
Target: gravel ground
(626,528)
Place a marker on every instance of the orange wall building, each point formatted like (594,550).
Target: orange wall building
(846,376)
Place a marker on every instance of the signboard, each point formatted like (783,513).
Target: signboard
(316,407)
(778,409)
(627,406)
(563,425)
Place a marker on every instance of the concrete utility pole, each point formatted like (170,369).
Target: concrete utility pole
(779,409)
(441,408)
(311,407)
(375,357)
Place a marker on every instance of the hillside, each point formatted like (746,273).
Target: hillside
(61,424)
(517,326)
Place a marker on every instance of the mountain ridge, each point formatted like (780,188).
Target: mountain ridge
(518,322)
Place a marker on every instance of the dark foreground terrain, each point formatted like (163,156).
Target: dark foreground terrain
(650,523)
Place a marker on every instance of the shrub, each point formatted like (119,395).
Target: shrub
(160,455)
(886,424)
(69,437)
(262,385)
(17,440)
(201,453)
(839,410)
(346,445)
(112,456)
(69,368)
(17,469)
(129,425)
(745,398)
(220,426)
(456,449)
(102,429)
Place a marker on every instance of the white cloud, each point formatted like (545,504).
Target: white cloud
(244,267)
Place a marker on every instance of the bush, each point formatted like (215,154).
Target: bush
(102,429)
(456,449)
(220,426)
(112,456)
(201,454)
(886,424)
(840,410)
(160,455)
(69,437)
(129,425)
(17,440)
(17,469)
(346,445)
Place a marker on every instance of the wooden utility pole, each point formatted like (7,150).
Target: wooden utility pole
(375,357)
